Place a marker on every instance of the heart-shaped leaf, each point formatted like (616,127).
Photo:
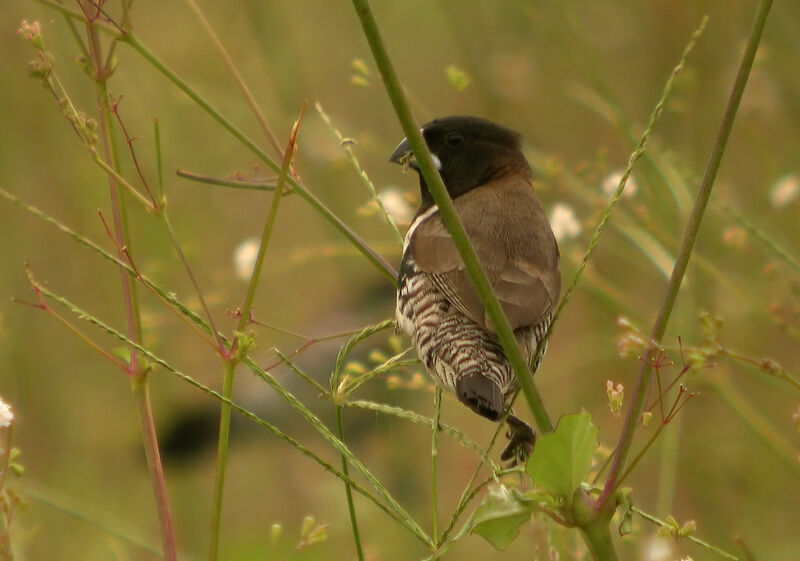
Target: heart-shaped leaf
(561,460)
(499,517)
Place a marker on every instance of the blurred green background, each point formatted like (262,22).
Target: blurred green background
(561,74)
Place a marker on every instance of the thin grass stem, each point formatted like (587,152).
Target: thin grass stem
(437,412)
(722,553)
(343,143)
(237,77)
(351,509)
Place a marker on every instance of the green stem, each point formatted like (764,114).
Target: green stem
(449,216)
(233,358)
(344,144)
(722,553)
(597,537)
(224,182)
(351,509)
(244,317)
(437,412)
(690,236)
(139,378)
(142,394)
(222,459)
(594,526)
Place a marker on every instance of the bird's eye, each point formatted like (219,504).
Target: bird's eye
(454,139)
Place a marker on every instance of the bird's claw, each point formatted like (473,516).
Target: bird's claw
(521,439)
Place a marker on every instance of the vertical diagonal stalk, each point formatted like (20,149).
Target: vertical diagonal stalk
(449,216)
(689,238)
(351,509)
(234,355)
(222,459)
(142,394)
(139,376)
(437,412)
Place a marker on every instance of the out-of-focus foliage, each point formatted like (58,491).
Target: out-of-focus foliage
(578,80)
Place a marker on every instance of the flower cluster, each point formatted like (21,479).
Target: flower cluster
(564,223)
(31,32)
(615,397)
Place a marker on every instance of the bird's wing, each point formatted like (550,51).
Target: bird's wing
(513,240)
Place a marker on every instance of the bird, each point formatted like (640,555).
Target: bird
(491,184)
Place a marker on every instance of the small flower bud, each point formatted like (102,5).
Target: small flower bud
(307,526)
(275,532)
(615,397)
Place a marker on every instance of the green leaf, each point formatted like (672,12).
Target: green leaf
(561,460)
(499,517)
(624,500)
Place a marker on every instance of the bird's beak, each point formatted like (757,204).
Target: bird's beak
(405,157)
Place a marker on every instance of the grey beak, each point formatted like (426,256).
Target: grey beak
(401,153)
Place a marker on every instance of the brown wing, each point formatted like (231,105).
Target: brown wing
(513,240)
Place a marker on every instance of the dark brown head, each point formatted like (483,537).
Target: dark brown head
(468,151)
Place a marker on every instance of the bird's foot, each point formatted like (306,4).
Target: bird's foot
(521,439)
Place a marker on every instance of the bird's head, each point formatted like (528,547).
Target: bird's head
(468,152)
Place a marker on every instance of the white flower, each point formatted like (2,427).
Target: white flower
(397,205)
(564,222)
(611,182)
(657,549)
(244,258)
(785,190)
(6,415)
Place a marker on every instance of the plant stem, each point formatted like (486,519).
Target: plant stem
(690,236)
(233,357)
(698,541)
(351,509)
(244,318)
(597,537)
(222,458)
(344,144)
(449,216)
(437,412)
(148,428)
(137,373)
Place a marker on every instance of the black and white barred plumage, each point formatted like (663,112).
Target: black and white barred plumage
(450,344)
(490,182)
